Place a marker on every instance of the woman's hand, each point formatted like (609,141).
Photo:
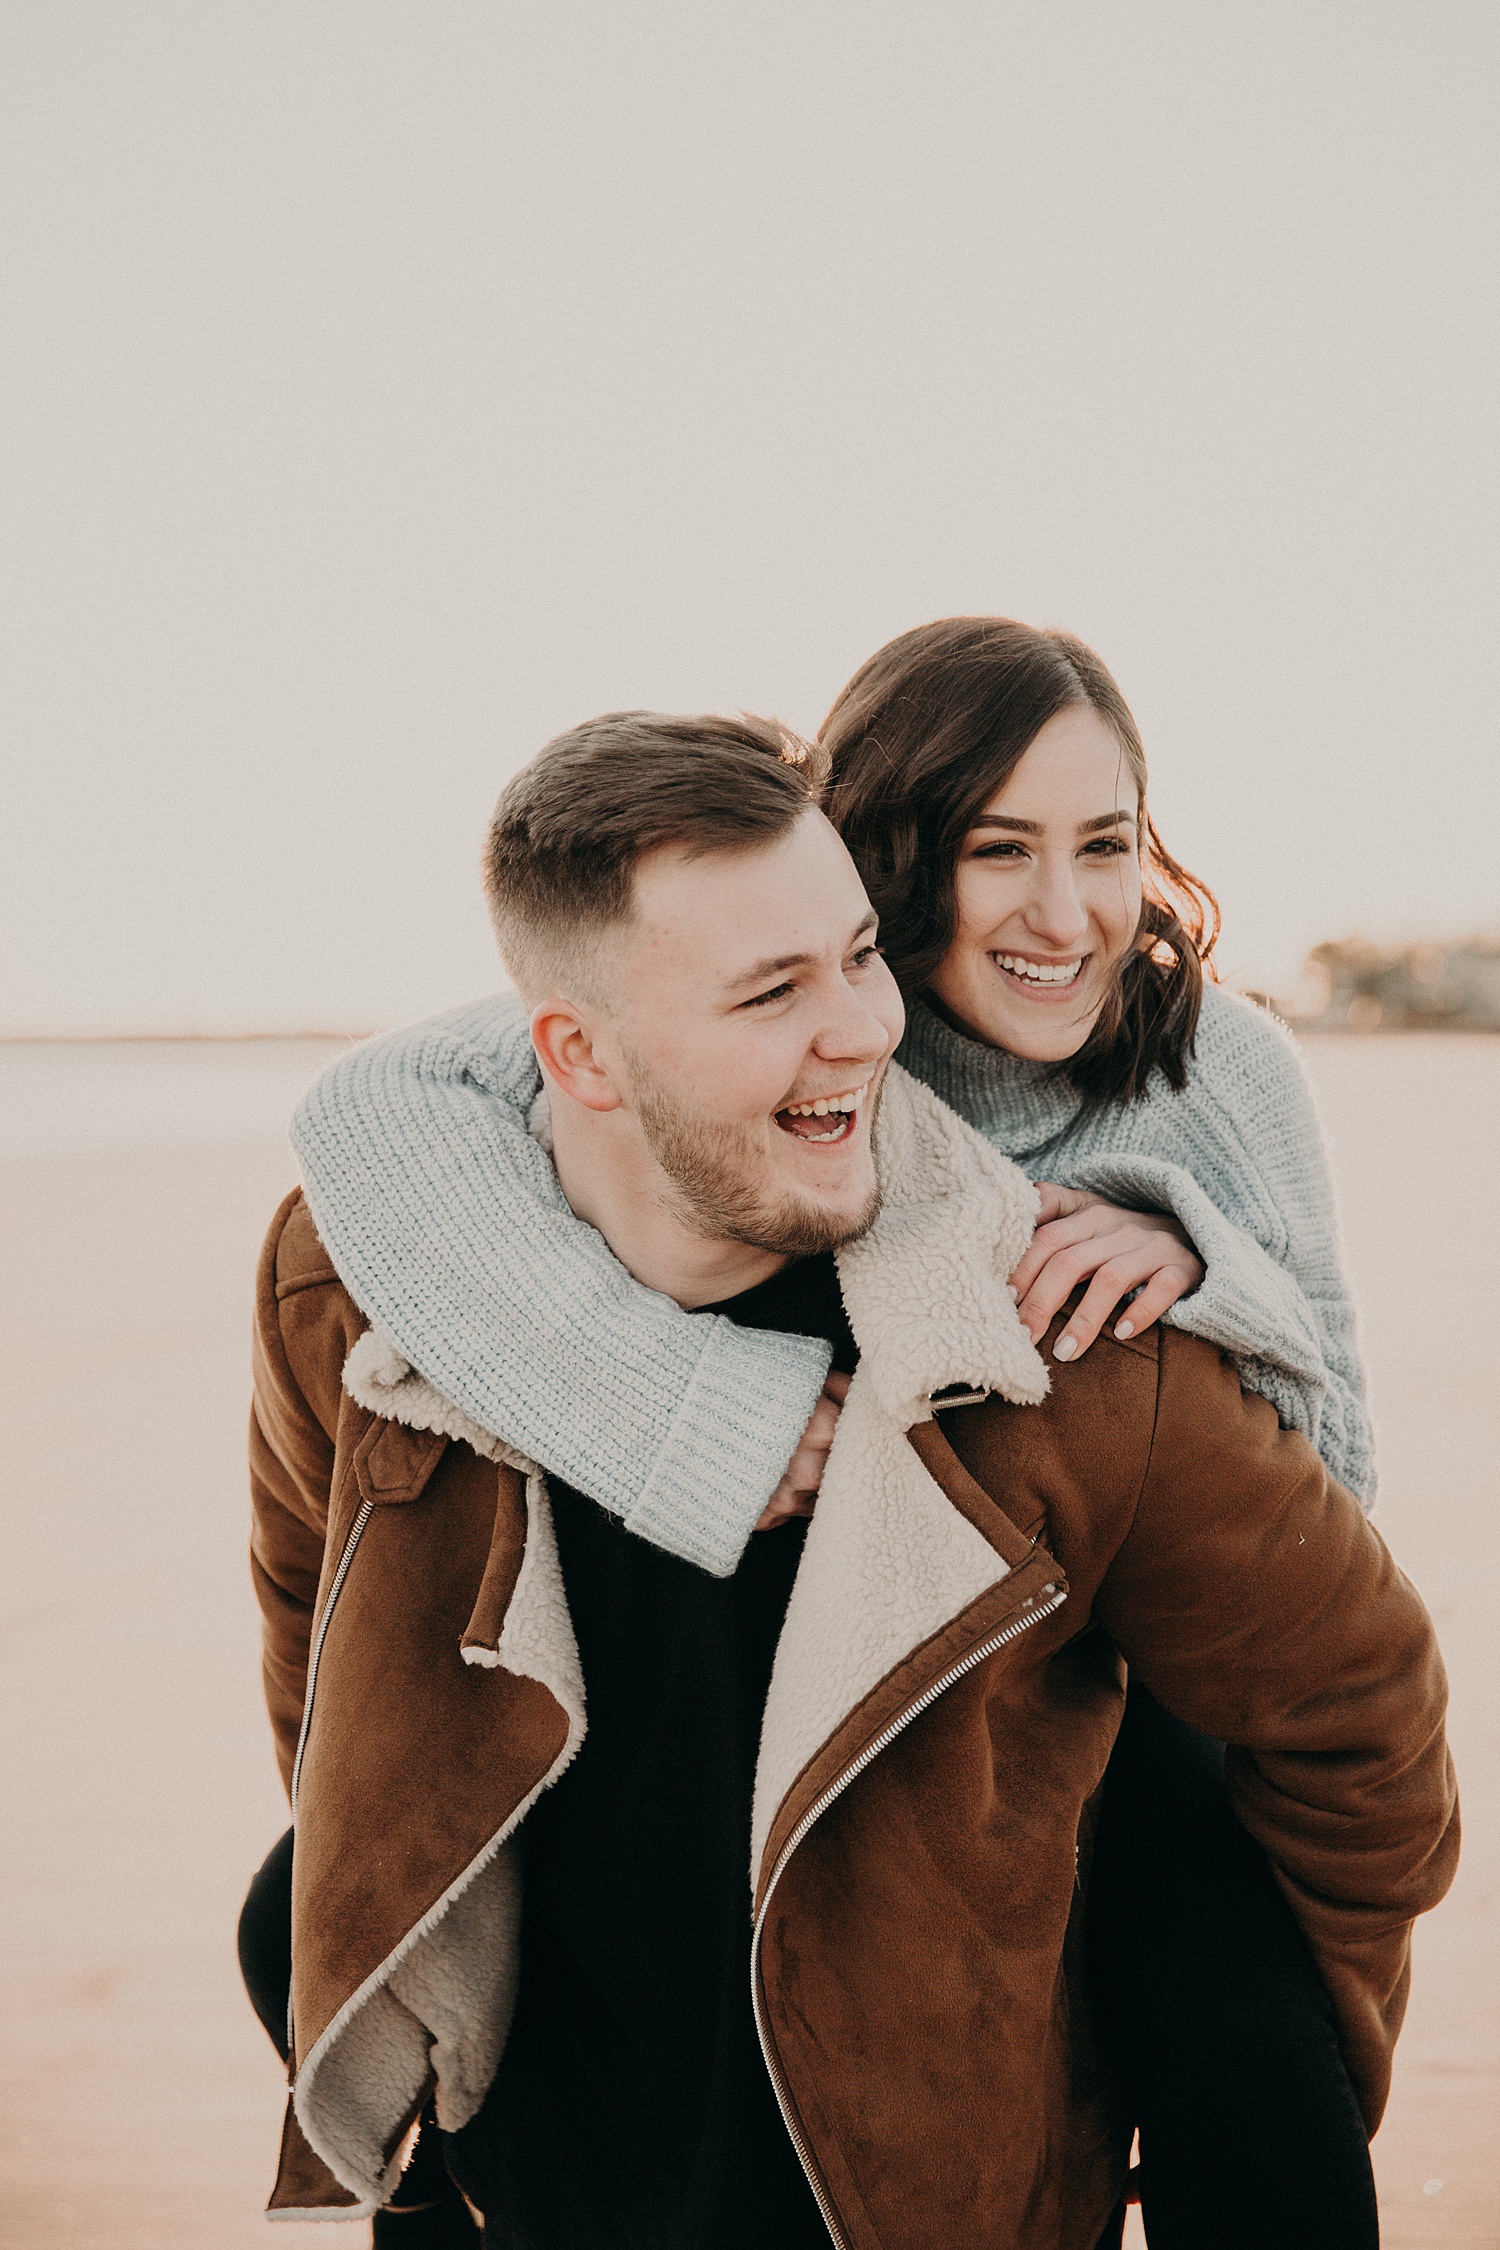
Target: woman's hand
(798,1489)
(1078,1235)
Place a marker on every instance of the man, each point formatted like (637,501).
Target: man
(719,1912)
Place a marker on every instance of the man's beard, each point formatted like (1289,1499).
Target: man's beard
(713,1167)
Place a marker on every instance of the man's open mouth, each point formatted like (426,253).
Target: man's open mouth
(829,1117)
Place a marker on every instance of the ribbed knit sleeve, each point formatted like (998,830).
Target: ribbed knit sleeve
(1281,1267)
(1239,1157)
(1291,1341)
(448,1226)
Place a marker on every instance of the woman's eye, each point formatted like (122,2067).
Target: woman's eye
(1007,850)
(763,999)
(1107,847)
(865,955)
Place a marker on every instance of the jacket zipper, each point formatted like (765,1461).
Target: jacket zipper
(1051,1598)
(366,1510)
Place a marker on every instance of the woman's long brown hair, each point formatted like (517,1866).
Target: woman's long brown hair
(921,740)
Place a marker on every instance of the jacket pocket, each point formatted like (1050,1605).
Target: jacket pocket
(393,1463)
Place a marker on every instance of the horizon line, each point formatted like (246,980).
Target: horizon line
(171,1038)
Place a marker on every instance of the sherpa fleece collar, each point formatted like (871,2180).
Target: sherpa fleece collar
(888,1560)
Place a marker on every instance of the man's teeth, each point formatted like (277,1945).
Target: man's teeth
(1040,972)
(831,1102)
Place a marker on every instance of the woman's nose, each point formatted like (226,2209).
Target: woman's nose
(1055,914)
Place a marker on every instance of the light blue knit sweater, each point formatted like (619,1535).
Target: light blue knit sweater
(448,1227)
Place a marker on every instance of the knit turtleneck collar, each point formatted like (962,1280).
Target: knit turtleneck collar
(1018,1105)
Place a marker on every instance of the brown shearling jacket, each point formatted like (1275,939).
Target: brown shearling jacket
(947,1690)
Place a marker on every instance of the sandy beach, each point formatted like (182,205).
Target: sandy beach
(141,2099)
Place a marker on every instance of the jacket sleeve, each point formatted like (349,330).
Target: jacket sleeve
(1255,1601)
(291,1466)
(1252,1190)
(447,1224)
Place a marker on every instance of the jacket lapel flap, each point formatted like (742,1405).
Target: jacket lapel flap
(890,1560)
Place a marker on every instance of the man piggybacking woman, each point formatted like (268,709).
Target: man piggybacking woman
(814,1713)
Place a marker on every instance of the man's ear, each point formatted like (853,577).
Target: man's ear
(563,1036)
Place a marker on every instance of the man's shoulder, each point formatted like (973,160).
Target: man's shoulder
(1091,1434)
(294,1254)
(1159,1423)
(306,1321)
(1107,1415)
(1176,1377)
(1107,1400)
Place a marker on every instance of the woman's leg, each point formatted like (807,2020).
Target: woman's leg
(1216,2014)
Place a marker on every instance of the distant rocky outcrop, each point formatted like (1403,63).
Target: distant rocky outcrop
(1352,985)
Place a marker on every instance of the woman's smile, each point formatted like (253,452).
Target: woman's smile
(1039,977)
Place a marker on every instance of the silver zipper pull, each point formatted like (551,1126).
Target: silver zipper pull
(956,1395)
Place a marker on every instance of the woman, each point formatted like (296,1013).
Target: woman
(990,784)
(973,762)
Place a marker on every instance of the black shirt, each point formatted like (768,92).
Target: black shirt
(633,2109)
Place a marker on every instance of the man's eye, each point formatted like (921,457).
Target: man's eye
(777,992)
(865,955)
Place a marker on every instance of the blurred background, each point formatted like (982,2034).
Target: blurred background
(389,386)
(386,387)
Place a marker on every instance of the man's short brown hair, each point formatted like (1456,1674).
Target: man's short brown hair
(569,830)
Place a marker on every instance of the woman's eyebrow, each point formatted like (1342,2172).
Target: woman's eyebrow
(1034,827)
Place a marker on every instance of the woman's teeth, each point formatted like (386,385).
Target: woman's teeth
(1039,972)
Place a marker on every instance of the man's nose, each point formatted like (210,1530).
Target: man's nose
(856,1032)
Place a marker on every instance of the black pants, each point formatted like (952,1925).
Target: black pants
(1215,2014)
(265,1940)
(1210,2002)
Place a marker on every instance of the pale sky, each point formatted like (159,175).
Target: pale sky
(385,388)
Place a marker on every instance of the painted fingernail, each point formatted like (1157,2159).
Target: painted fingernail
(1013,1293)
(1124,1328)
(1065,1347)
